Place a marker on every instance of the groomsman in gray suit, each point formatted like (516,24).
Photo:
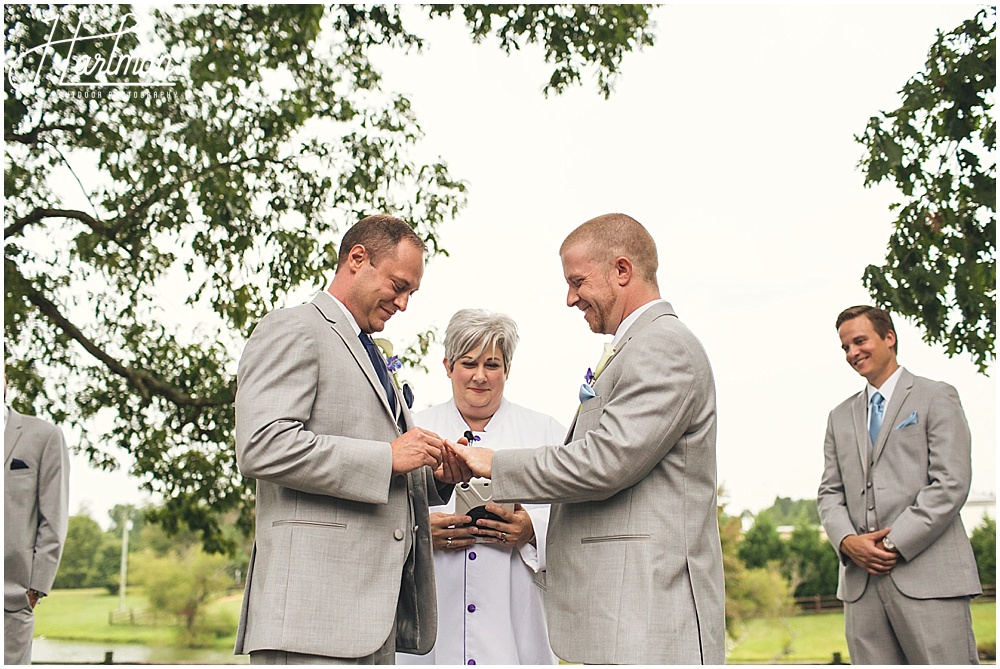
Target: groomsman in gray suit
(897,472)
(341,569)
(35,517)
(634,569)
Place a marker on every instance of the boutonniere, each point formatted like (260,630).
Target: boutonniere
(394,364)
(587,389)
(609,352)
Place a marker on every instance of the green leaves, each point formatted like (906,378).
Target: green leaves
(146,235)
(573,36)
(939,149)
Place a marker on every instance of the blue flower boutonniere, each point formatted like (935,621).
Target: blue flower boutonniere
(587,389)
(394,364)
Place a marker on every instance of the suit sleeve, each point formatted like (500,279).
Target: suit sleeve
(661,392)
(53,511)
(831,500)
(949,476)
(278,376)
(535,557)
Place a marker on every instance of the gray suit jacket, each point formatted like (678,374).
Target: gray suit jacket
(36,506)
(634,559)
(917,486)
(331,556)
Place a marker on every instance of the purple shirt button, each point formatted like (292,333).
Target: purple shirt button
(472,555)
(472,608)
(471,662)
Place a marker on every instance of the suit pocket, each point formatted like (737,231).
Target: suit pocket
(614,537)
(589,417)
(310,523)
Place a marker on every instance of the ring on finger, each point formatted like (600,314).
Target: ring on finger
(447,543)
(503,537)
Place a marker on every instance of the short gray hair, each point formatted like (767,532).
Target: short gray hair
(470,329)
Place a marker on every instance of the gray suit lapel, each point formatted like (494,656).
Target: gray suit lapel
(859,412)
(656,311)
(339,324)
(11,433)
(899,395)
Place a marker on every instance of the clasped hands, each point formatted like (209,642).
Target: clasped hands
(452,462)
(453,532)
(868,552)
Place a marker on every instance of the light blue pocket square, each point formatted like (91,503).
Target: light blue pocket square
(910,420)
(586,392)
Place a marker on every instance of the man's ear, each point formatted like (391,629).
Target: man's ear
(890,338)
(623,270)
(357,257)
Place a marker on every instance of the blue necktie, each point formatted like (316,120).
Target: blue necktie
(878,411)
(378,362)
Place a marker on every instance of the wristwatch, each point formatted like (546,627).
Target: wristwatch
(889,546)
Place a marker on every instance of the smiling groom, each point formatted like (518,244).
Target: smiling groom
(897,472)
(634,571)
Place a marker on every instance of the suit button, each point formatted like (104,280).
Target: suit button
(472,608)
(472,555)
(871,508)
(869,484)
(398,534)
(416,528)
(871,529)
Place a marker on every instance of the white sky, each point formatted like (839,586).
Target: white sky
(731,140)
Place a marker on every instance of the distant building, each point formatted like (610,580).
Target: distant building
(978,505)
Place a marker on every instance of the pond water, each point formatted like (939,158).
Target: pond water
(46,651)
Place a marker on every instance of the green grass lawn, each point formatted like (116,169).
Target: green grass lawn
(810,639)
(82,615)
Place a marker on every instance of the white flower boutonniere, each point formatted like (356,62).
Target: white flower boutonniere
(587,389)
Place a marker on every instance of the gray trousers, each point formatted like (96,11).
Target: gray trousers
(885,626)
(18,628)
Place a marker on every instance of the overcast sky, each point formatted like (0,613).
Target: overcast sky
(731,140)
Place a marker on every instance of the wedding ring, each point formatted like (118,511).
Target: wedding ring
(503,537)
(447,544)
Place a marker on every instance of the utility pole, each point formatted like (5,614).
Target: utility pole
(124,572)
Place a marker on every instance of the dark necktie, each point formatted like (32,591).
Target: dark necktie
(378,362)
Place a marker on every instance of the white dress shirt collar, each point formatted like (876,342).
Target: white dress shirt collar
(887,388)
(347,312)
(632,318)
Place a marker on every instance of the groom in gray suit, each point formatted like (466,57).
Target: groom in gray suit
(634,561)
(897,472)
(35,517)
(341,570)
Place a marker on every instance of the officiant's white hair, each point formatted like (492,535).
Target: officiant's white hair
(470,329)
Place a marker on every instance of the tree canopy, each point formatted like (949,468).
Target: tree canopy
(154,214)
(939,149)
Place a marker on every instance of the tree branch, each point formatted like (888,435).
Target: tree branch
(145,383)
(40,213)
(33,136)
